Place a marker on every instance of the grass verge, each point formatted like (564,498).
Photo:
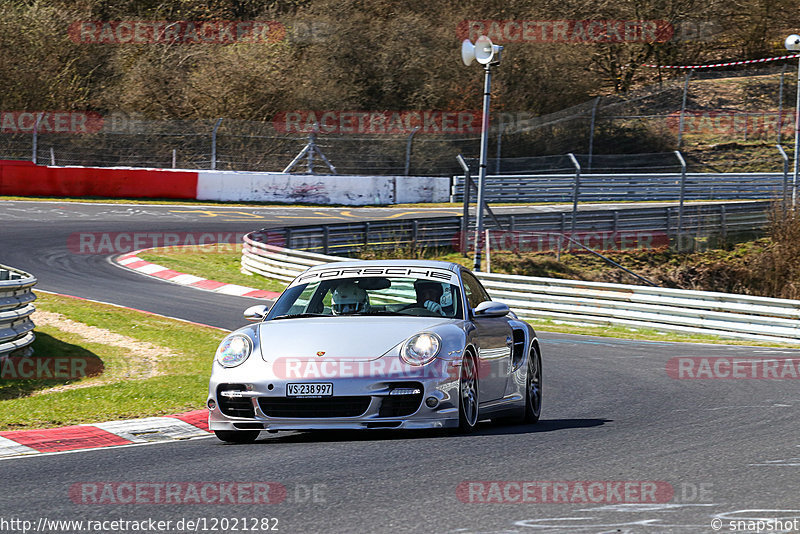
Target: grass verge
(181,382)
(212,263)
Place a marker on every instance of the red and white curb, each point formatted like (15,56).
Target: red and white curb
(133,262)
(113,433)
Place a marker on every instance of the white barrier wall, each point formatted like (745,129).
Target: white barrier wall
(315,189)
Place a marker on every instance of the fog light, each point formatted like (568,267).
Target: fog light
(431,402)
(405,391)
(211,404)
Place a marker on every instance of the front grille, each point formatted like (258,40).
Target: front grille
(235,406)
(317,408)
(401,405)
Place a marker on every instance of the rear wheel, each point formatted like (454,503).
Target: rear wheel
(533,387)
(237,436)
(468,395)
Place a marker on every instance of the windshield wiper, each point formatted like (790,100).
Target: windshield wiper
(299,316)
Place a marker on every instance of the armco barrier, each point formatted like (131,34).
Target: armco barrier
(594,303)
(700,221)
(626,187)
(16,307)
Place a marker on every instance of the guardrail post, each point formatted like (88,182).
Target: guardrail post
(288,237)
(366,234)
(682,195)
(723,220)
(667,221)
(576,190)
(414,232)
(326,231)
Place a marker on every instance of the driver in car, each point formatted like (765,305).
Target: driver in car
(348,298)
(429,295)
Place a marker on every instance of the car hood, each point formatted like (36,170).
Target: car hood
(339,338)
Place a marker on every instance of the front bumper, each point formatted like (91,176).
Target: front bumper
(242,401)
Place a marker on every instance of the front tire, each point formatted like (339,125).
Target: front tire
(468,405)
(237,436)
(533,387)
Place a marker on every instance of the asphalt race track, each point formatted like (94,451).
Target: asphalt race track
(615,427)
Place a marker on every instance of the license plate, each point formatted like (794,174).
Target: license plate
(309,390)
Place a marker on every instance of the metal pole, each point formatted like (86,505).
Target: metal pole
(174,157)
(36,136)
(52,157)
(465,215)
(682,195)
(683,108)
(214,145)
(312,146)
(591,130)
(488,251)
(796,140)
(576,190)
(408,148)
(785,175)
(487,88)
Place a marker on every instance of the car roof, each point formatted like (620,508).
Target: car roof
(391,263)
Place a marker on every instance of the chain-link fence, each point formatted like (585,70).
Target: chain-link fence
(722,121)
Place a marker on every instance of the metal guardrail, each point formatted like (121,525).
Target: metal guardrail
(699,222)
(16,307)
(593,303)
(626,187)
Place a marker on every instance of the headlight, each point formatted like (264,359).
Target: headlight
(421,349)
(234,350)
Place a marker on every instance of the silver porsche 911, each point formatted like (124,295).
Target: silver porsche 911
(376,345)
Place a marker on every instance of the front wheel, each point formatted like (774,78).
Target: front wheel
(237,436)
(468,395)
(533,387)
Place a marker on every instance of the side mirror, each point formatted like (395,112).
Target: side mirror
(256,313)
(491,309)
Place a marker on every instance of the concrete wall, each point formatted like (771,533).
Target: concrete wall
(328,189)
(26,179)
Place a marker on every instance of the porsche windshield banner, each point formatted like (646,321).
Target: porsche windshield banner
(426,273)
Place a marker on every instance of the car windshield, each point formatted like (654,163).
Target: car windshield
(370,295)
